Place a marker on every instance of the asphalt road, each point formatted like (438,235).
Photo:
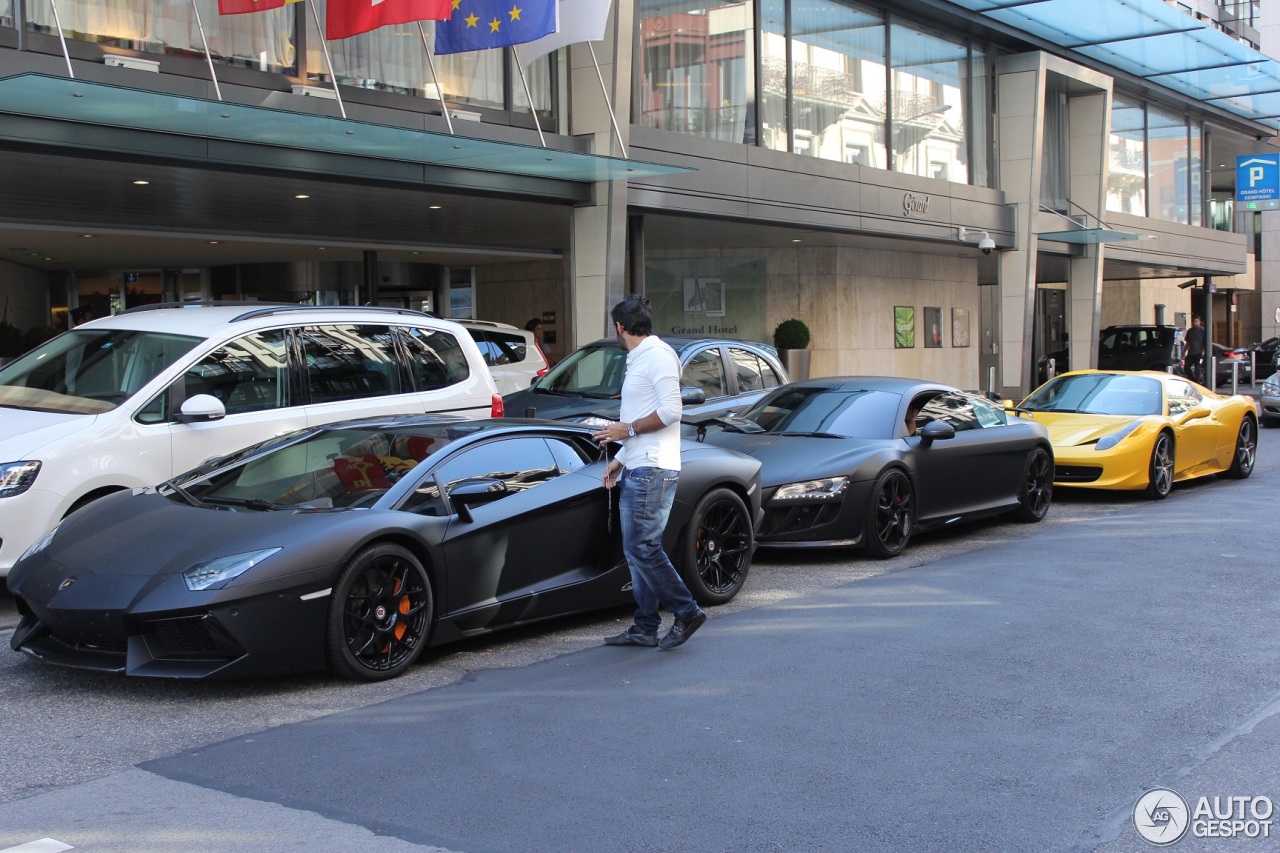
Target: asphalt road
(1003,687)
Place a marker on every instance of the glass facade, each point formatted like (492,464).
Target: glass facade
(1167,159)
(696,68)
(1156,163)
(6,13)
(838,81)
(390,58)
(1127,176)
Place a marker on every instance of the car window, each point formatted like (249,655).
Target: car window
(705,371)
(349,362)
(436,359)
(248,374)
(593,371)
(89,371)
(519,462)
(1182,396)
(753,373)
(512,349)
(568,455)
(962,412)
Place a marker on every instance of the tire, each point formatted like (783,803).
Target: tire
(891,514)
(379,615)
(1246,451)
(716,551)
(1036,492)
(1160,469)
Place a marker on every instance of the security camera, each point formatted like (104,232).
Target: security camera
(986,244)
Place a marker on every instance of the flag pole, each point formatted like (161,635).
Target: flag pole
(444,108)
(607,102)
(207,56)
(62,38)
(324,43)
(532,109)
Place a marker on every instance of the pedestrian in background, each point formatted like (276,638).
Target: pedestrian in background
(646,470)
(535,326)
(1194,359)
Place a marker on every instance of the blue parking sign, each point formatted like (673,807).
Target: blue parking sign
(1258,180)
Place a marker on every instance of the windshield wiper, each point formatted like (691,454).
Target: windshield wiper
(184,494)
(811,434)
(250,503)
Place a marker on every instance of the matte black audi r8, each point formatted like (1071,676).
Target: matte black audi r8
(355,545)
(866,460)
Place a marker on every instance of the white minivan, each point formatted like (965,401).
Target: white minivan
(131,400)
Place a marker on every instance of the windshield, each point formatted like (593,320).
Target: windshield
(340,467)
(594,371)
(833,411)
(89,371)
(1098,394)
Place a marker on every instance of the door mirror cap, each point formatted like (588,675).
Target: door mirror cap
(936,431)
(691,396)
(200,409)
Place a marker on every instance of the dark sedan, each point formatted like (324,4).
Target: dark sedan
(716,376)
(866,460)
(355,545)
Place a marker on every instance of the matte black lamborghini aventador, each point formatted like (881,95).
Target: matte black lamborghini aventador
(355,545)
(868,460)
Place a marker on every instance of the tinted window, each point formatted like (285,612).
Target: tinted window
(753,373)
(590,371)
(852,413)
(248,374)
(1099,394)
(706,371)
(567,455)
(436,359)
(348,362)
(962,412)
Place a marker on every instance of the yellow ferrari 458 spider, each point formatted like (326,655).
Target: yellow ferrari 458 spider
(1142,430)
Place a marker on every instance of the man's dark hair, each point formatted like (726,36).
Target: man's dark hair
(532,324)
(635,315)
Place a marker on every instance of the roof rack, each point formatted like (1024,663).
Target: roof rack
(264,309)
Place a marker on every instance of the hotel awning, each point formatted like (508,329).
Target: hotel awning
(1152,40)
(87,102)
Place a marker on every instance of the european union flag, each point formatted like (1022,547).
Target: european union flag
(482,24)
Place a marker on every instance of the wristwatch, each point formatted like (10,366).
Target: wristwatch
(631,430)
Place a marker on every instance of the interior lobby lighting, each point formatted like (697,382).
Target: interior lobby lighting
(140,183)
(302,195)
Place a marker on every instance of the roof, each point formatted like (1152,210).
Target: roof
(206,319)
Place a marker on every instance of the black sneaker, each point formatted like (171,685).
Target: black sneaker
(682,630)
(632,637)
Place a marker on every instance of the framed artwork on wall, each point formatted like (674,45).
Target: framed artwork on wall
(959,327)
(904,327)
(933,327)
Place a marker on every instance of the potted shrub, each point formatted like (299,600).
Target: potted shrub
(791,339)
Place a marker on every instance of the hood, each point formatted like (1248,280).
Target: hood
(1067,429)
(23,431)
(558,406)
(793,459)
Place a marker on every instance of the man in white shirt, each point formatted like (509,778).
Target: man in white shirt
(646,470)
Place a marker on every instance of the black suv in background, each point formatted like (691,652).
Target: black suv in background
(1140,348)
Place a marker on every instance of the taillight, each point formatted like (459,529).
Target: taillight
(543,371)
(496,408)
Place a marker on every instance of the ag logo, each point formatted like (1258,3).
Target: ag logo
(1161,816)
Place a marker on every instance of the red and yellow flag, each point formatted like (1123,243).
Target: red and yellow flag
(237,7)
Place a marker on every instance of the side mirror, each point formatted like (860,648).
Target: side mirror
(476,490)
(692,396)
(935,431)
(200,409)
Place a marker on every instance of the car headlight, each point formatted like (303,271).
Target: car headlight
(40,544)
(214,574)
(1271,387)
(1110,440)
(828,488)
(17,477)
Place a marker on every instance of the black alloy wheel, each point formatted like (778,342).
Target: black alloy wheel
(717,549)
(1246,450)
(892,515)
(1036,492)
(1160,471)
(380,614)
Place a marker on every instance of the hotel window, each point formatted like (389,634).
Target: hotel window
(1168,151)
(929,77)
(6,13)
(697,69)
(1127,175)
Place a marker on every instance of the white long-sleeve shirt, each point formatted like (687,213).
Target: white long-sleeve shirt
(652,384)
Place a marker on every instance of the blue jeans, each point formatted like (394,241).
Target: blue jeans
(645,506)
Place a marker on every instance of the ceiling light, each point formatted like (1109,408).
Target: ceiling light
(796,240)
(434,207)
(214,242)
(86,235)
(141,183)
(302,195)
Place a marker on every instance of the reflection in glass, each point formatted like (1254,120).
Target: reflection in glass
(928,121)
(773,80)
(248,374)
(1167,153)
(838,80)
(262,40)
(6,13)
(1127,176)
(696,70)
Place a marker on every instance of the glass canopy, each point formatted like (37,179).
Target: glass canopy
(1152,40)
(137,109)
